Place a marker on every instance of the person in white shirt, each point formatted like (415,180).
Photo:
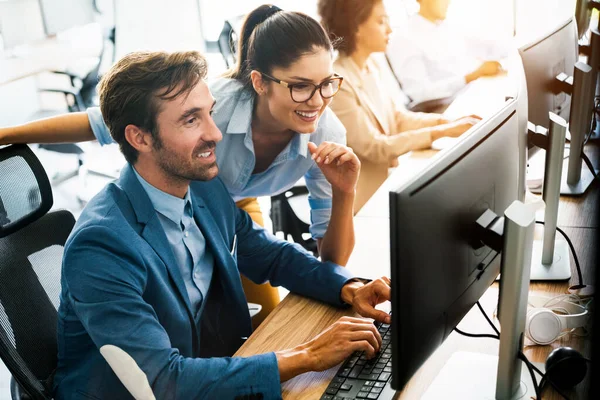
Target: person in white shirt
(432,60)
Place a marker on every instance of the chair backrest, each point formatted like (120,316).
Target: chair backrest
(228,39)
(285,219)
(226,46)
(31,247)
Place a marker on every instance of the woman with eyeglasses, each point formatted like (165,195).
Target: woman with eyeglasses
(377,130)
(272,110)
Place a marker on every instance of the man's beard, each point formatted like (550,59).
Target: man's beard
(184,169)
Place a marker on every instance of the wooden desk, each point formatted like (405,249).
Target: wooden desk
(298,319)
(50,54)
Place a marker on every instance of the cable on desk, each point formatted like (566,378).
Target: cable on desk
(488,319)
(588,162)
(580,284)
(521,356)
(476,335)
(529,366)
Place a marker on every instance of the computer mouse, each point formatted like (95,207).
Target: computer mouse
(443,143)
(565,367)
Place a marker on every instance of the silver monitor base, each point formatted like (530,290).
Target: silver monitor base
(571,190)
(469,376)
(559,270)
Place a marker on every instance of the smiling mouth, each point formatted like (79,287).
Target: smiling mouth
(308,114)
(205,154)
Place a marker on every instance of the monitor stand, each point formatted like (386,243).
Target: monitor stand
(473,376)
(558,270)
(534,182)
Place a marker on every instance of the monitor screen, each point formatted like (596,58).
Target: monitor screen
(437,275)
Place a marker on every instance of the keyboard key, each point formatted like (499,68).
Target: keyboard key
(343,372)
(373,396)
(384,377)
(380,364)
(355,372)
(376,390)
(361,362)
(362,395)
(346,387)
(369,384)
(379,384)
(338,379)
(331,391)
(387,369)
(377,370)
(371,377)
(326,397)
(338,398)
(335,385)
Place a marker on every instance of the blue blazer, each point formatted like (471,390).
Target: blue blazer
(121,286)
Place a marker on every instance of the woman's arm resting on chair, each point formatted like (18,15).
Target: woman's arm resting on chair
(66,128)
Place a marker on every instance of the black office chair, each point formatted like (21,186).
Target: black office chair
(286,221)
(82,92)
(31,246)
(226,44)
(228,40)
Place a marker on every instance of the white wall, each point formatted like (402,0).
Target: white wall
(158,25)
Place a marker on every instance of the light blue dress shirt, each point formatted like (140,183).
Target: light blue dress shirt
(195,262)
(236,159)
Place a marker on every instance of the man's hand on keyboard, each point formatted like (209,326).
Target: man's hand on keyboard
(330,347)
(340,340)
(364,297)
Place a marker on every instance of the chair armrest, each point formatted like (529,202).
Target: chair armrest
(66,91)
(76,93)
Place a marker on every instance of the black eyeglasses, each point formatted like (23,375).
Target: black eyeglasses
(304,91)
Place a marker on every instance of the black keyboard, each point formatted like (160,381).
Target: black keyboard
(360,378)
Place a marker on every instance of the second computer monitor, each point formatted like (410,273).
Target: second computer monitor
(438,270)
(544,58)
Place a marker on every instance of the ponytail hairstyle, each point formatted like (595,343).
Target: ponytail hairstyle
(273,38)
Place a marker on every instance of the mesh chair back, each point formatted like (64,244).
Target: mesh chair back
(31,247)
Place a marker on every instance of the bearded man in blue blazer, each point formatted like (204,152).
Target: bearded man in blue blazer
(151,270)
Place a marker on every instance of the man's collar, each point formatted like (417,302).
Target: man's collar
(168,205)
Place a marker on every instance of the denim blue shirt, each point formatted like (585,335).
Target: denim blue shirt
(187,242)
(236,159)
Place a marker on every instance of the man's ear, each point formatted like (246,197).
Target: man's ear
(258,83)
(138,138)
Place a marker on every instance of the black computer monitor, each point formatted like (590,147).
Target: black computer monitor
(436,274)
(62,15)
(544,58)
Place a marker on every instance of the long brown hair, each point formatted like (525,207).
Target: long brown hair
(272,38)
